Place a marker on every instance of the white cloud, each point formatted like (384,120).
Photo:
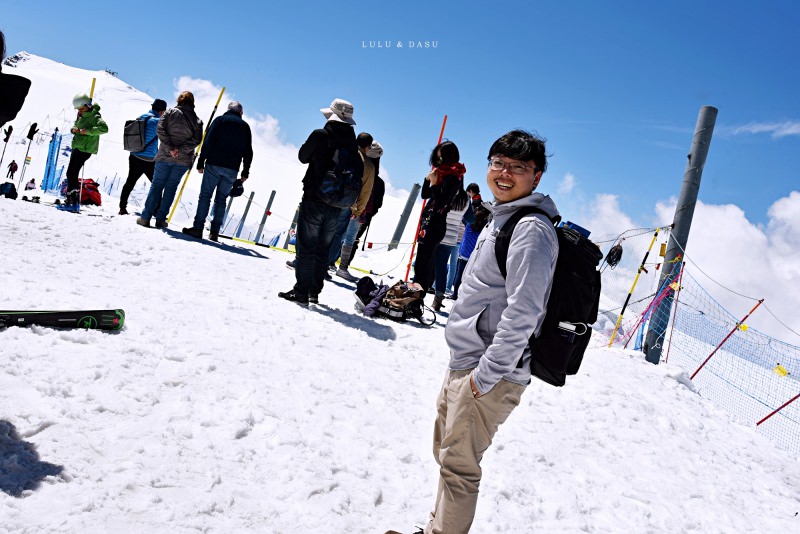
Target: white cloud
(605,218)
(777,129)
(748,259)
(567,184)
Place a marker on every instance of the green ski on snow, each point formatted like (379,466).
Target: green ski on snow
(93,319)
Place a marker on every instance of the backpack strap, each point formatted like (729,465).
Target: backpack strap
(147,144)
(503,239)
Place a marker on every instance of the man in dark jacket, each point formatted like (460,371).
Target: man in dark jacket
(316,222)
(143,162)
(228,144)
(13,90)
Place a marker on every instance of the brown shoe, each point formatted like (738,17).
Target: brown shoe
(437,303)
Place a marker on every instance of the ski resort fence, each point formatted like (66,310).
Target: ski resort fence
(753,376)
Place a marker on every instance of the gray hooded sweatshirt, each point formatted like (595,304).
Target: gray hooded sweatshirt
(493,318)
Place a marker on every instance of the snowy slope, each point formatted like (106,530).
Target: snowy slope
(221,408)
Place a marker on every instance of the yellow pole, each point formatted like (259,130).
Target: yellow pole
(635,280)
(194,158)
(91,91)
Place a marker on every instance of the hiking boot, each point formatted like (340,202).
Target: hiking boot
(123,211)
(213,236)
(197,233)
(143,222)
(437,302)
(290,264)
(72,198)
(161,224)
(344,273)
(313,299)
(293,296)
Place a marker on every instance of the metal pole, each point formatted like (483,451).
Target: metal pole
(784,405)
(24,164)
(227,211)
(292,227)
(8,131)
(633,287)
(734,329)
(682,221)
(264,218)
(246,209)
(401,224)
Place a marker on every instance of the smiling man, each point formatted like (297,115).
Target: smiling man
(489,328)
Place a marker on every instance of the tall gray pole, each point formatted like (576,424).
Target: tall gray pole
(681,224)
(264,218)
(292,227)
(401,225)
(246,211)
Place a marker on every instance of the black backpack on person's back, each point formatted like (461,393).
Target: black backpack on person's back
(341,184)
(572,305)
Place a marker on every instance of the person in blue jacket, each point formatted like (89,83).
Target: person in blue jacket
(143,162)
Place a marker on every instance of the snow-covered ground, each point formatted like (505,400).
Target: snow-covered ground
(222,408)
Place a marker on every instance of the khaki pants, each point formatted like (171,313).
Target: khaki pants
(463,431)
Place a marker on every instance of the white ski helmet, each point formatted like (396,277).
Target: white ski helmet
(80,100)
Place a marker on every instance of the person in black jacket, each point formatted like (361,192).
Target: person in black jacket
(443,188)
(228,144)
(13,90)
(316,222)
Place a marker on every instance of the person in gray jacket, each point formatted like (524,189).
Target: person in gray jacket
(489,327)
(179,132)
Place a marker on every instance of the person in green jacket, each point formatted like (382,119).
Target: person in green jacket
(88,128)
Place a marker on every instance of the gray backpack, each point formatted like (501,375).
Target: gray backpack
(134,134)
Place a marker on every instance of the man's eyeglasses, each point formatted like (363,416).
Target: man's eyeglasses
(513,168)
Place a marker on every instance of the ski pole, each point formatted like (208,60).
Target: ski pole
(419,223)
(91,92)
(83,167)
(7,131)
(194,157)
(364,244)
(635,280)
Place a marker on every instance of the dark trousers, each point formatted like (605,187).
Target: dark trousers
(136,168)
(316,224)
(76,161)
(426,252)
(459,274)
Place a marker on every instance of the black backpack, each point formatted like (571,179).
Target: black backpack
(341,185)
(572,305)
(134,135)
(8,190)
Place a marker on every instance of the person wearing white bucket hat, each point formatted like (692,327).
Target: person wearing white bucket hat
(339,110)
(316,221)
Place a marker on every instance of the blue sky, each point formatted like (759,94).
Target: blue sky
(615,87)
